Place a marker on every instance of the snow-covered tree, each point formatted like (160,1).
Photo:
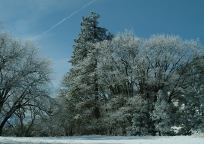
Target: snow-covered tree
(24,80)
(192,109)
(82,80)
(141,122)
(130,66)
(118,62)
(163,114)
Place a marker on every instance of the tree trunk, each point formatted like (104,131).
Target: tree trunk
(8,115)
(3,123)
(1,104)
(96,92)
(159,133)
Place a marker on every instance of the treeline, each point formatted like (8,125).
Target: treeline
(117,85)
(126,85)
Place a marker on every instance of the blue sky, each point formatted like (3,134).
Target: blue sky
(29,19)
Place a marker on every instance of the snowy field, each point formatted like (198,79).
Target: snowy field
(103,140)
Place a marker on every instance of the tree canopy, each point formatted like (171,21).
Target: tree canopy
(126,85)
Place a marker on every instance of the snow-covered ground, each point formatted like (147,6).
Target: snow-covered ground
(103,140)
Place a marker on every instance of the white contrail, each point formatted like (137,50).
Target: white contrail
(66,18)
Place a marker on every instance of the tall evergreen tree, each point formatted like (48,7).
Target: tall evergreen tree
(82,81)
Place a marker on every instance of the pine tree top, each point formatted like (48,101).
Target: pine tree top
(90,33)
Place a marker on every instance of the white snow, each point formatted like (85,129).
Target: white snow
(103,140)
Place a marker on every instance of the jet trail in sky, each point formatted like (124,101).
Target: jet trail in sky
(65,19)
